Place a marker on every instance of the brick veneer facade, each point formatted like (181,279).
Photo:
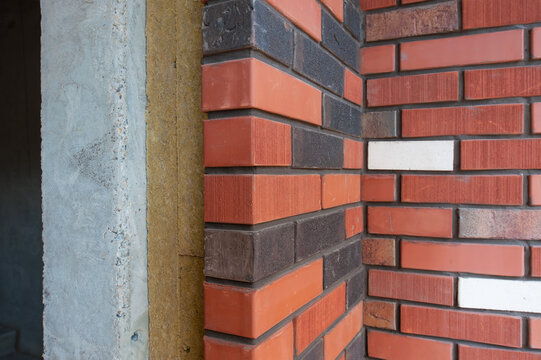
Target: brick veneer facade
(418,119)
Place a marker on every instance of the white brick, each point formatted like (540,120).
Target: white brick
(496,294)
(411,155)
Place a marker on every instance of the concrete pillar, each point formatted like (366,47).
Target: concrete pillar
(94,179)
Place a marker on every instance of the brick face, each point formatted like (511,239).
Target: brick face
(489,189)
(318,317)
(399,347)
(378,187)
(378,59)
(478,353)
(491,13)
(499,260)
(410,221)
(500,154)
(380,314)
(413,89)
(500,223)
(306,14)
(488,48)
(501,83)
(410,286)
(340,189)
(339,336)
(472,120)
(536,261)
(379,251)
(461,325)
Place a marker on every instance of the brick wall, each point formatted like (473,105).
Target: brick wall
(450,127)
(283,153)
(418,119)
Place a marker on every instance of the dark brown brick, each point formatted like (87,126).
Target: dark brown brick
(352,18)
(341,262)
(248,256)
(420,20)
(356,349)
(318,65)
(500,224)
(356,288)
(338,41)
(255,25)
(379,252)
(379,124)
(313,149)
(318,233)
(339,115)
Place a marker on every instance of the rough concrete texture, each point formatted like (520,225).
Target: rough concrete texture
(21,266)
(175,179)
(94,179)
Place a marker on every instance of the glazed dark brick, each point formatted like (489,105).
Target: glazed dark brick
(316,150)
(241,24)
(341,262)
(317,64)
(318,233)
(352,18)
(341,116)
(338,41)
(248,256)
(315,352)
(356,349)
(379,124)
(356,288)
(414,21)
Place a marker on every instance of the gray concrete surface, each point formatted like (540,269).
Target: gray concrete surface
(20,176)
(94,180)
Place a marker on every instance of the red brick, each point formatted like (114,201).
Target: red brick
(500,260)
(251,312)
(536,118)
(278,346)
(336,7)
(353,87)
(341,335)
(246,141)
(471,120)
(378,187)
(340,189)
(463,189)
(462,325)
(306,14)
(535,46)
(354,221)
(412,21)
(535,334)
(376,4)
(379,251)
(353,154)
(413,89)
(490,13)
(318,317)
(502,82)
(500,154)
(497,47)
(251,83)
(432,289)
(380,314)
(253,199)
(475,353)
(400,347)
(411,221)
(412,1)
(536,261)
(378,59)
(535,190)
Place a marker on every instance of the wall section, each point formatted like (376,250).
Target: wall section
(451,122)
(283,155)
